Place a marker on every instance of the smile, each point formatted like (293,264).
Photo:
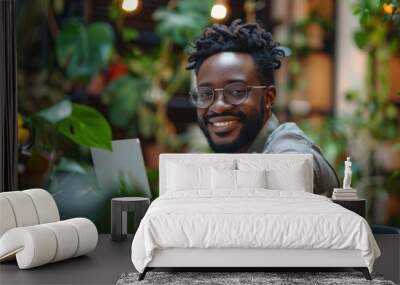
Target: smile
(222,125)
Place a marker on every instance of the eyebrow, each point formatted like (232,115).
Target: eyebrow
(225,83)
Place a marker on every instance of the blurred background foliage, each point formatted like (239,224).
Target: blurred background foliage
(133,85)
(83,82)
(376,117)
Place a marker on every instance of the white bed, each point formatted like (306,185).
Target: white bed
(197,224)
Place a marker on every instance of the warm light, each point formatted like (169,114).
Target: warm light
(129,5)
(219,11)
(388,8)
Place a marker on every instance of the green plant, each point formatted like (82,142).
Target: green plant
(82,50)
(375,118)
(124,96)
(83,125)
(379,36)
(160,72)
(183,21)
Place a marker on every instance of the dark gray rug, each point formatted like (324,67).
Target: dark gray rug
(229,278)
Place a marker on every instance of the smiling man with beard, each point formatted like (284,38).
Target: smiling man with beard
(235,92)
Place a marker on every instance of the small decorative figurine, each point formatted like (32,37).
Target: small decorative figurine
(347,174)
(345,193)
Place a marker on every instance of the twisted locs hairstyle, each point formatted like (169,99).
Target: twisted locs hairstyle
(239,37)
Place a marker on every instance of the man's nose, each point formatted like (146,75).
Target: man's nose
(220,105)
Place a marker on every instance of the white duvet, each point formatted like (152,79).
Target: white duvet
(253,218)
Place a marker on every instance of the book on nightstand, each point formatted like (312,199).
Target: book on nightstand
(344,194)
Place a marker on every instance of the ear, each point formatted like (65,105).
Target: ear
(269,98)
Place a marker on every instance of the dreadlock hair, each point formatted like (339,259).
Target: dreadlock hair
(239,37)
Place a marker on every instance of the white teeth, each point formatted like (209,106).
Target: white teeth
(223,124)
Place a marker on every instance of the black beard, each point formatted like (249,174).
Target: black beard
(251,128)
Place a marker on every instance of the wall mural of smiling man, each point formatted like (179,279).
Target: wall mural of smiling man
(235,91)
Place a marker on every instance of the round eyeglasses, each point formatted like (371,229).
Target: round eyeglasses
(234,93)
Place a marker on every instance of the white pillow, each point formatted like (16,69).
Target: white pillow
(251,178)
(186,175)
(226,179)
(294,180)
(282,174)
(223,179)
(183,178)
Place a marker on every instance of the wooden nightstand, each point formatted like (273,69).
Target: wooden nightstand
(357,205)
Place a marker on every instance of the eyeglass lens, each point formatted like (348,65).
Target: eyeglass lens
(234,93)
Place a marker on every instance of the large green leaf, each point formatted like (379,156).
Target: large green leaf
(84,51)
(101,40)
(185,22)
(57,112)
(86,127)
(124,97)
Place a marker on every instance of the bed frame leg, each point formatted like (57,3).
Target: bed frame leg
(143,274)
(364,271)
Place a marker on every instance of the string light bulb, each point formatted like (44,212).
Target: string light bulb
(219,10)
(130,5)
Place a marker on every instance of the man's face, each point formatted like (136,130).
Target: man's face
(227,127)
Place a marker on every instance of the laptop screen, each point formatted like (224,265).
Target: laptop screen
(122,168)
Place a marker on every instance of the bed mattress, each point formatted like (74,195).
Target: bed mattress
(250,219)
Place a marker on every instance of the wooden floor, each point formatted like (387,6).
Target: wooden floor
(103,266)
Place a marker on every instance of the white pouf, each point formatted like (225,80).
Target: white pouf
(31,233)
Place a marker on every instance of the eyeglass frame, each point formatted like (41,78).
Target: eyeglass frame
(214,91)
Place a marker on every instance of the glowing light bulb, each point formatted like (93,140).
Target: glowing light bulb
(129,5)
(218,11)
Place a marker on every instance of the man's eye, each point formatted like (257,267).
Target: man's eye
(205,94)
(238,92)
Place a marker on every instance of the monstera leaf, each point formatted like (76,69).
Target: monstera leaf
(124,96)
(185,22)
(84,51)
(82,124)
(87,127)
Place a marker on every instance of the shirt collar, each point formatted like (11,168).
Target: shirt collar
(259,142)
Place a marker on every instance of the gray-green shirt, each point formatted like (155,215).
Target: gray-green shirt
(289,138)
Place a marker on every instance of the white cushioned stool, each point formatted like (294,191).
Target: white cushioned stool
(31,230)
